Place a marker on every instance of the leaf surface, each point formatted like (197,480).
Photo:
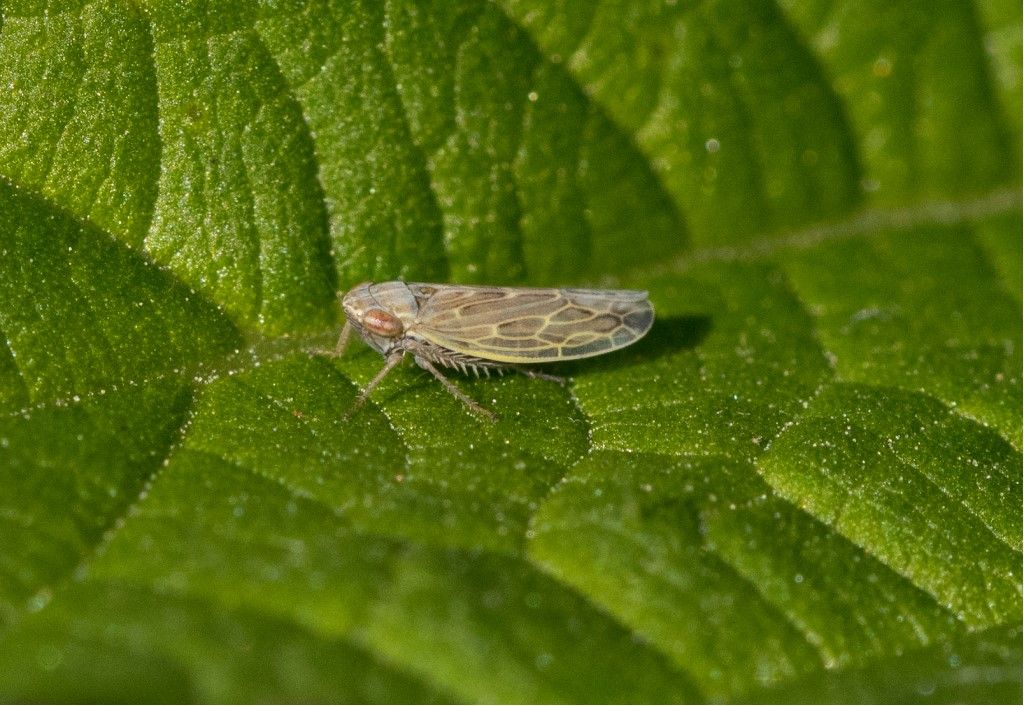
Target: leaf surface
(803,485)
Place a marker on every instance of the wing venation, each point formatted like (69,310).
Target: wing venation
(527,325)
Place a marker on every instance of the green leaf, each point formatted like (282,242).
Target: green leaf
(804,485)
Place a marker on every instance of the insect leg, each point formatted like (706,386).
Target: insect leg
(339,347)
(541,376)
(343,339)
(392,360)
(456,392)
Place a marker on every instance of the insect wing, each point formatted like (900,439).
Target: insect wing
(527,325)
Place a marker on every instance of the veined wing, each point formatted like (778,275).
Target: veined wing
(527,325)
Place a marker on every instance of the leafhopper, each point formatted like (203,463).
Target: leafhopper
(484,329)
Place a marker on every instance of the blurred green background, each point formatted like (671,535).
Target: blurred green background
(803,485)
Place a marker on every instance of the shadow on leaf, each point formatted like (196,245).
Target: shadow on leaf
(669,335)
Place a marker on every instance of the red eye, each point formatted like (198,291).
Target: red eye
(382,323)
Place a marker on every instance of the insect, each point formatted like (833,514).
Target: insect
(476,329)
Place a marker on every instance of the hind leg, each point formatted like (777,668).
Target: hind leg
(455,392)
(541,376)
